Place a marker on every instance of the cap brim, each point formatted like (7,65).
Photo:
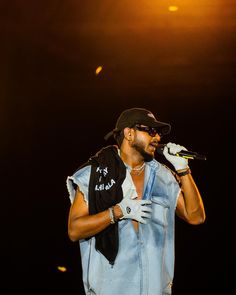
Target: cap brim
(164,127)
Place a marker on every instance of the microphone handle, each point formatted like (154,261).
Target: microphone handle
(190,155)
(184,154)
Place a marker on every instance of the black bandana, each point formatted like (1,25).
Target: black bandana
(105,190)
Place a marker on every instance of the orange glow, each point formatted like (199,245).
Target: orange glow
(62,268)
(98,70)
(173,8)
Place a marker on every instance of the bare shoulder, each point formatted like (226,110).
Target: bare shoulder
(79,207)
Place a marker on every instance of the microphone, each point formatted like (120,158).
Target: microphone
(184,154)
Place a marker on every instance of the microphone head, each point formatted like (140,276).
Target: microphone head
(200,157)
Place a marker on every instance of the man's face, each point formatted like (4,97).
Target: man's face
(145,144)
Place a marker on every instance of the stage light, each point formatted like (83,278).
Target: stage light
(173,8)
(98,70)
(62,268)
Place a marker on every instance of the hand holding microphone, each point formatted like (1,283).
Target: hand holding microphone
(171,151)
(183,153)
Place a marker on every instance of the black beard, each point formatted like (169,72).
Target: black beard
(146,157)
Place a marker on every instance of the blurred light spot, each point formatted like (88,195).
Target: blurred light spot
(62,268)
(173,8)
(98,70)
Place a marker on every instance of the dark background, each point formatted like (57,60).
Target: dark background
(55,111)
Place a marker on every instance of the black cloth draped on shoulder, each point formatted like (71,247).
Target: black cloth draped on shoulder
(105,190)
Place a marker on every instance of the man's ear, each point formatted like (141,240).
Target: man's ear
(127,134)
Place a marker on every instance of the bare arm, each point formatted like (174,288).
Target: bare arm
(81,225)
(190,205)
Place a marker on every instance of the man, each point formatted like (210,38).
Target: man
(123,209)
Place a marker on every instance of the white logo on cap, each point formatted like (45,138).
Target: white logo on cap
(151,115)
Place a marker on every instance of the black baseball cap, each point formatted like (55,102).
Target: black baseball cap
(133,116)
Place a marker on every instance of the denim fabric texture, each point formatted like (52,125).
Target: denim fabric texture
(145,260)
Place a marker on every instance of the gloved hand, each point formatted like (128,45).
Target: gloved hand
(178,162)
(136,209)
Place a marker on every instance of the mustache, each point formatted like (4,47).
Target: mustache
(154,143)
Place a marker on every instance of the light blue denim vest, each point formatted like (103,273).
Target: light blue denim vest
(145,261)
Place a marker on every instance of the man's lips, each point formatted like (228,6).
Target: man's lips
(153,145)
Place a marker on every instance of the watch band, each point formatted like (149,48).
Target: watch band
(112,217)
(186,172)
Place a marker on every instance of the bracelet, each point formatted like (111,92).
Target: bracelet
(186,172)
(112,216)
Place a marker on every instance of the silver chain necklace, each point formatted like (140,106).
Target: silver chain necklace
(136,170)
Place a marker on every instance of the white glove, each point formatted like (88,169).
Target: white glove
(136,209)
(170,150)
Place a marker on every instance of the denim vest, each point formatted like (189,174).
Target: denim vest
(145,261)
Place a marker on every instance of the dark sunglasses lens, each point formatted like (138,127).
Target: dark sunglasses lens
(160,133)
(152,132)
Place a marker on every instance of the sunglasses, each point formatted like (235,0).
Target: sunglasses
(152,131)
